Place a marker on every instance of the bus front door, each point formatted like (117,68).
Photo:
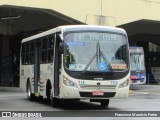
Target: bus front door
(57,66)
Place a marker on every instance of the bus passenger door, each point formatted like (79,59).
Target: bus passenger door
(57,59)
(37,67)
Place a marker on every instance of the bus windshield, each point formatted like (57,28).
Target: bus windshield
(137,61)
(95,51)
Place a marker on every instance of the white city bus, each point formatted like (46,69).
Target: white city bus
(76,62)
(138,71)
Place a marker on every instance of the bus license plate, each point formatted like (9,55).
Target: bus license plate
(98,93)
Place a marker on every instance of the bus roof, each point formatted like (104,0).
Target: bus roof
(70,28)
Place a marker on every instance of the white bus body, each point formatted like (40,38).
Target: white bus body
(138,71)
(76,62)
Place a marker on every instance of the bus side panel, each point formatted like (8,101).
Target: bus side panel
(22,78)
(46,74)
(27,73)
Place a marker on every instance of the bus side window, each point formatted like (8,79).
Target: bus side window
(31,53)
(23,53)
(51,42)
(44,50)
(27,53)
(50,48)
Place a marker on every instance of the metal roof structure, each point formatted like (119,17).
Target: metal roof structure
(23,20)
(142,26)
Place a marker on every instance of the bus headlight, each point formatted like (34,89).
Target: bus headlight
(124,84)
(68,82)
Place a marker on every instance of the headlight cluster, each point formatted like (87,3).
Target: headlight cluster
(124,84)
(68,82)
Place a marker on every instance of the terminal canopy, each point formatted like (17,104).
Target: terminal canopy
(23,20)
(143,30)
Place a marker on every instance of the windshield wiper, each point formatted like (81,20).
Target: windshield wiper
(91,60)
(110,66)
(98,54)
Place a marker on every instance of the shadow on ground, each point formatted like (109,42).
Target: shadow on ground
(76,105)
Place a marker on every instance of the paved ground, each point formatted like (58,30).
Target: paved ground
(141,98)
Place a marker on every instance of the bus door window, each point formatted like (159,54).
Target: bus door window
(23,53)
(44,50)
(31,53)
(50,48)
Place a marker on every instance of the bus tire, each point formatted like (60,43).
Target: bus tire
(104,103)
(30,95)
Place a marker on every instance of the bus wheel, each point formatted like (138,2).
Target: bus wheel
(30,95)
(104,103)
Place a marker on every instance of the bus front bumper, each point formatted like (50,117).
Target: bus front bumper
(75,93)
